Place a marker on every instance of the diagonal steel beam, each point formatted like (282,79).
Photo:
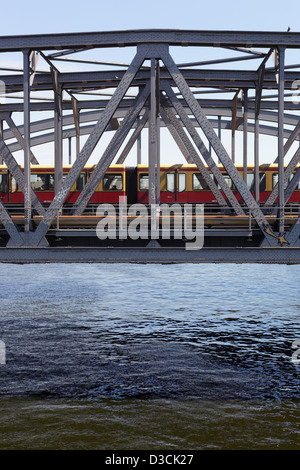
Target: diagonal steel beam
(288,171)
(110,152)
(140,126)
(168,114)
(175,134)
(209,132)
(203,150)
(34,57)
(17,134)
(18,174)
(291,186)
(293,136)
(89,146)
(294,234)
(259,86)
(11,228)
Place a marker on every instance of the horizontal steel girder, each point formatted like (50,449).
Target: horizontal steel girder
(232,79)
(91,116)
(150,255)
(135,37)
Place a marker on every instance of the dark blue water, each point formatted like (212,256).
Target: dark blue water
(131,356)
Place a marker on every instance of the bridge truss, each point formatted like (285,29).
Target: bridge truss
(97,98)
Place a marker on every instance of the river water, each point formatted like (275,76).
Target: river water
(141,356)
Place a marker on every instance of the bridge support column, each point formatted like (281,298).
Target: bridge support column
(281,52)
(27,169)
(153,135)
(58,148)
(245,134)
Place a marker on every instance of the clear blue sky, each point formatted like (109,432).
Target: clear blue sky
(55,16)
(59,16)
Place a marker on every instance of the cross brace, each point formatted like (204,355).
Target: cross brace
(110,152)
(37,237)
(192,152)
(208,130)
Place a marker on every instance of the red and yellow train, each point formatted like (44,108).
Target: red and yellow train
(178,183)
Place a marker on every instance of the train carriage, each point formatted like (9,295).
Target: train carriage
(185,184)
(112,186)
(178,183)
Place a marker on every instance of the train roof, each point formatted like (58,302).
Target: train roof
(263,166)
(185,166)
(65,167)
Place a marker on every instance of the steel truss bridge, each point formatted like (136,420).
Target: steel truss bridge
(152,91)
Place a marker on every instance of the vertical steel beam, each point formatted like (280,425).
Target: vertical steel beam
(233,126)
(219,132)
(58,146)
(245,134)
(258,95)
(58,149)
(256,132)
(139,145)
(281,52)
(70,149)
(153,136)
(27,170)
(76,123)
(1,136)
(157,132)
(256,159)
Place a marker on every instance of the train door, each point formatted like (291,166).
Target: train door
(4,186)
(175,187)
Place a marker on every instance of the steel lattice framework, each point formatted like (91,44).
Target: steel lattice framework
(162,93)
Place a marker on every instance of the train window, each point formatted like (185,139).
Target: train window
(199,182)
(251,182)
(262,182)
(80,183)
(275,180)
(39,182)
(13,185)
(112,182)
(228,181)
(3,183)
(171,182)
(144,182)
(181,182)
(51,183)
